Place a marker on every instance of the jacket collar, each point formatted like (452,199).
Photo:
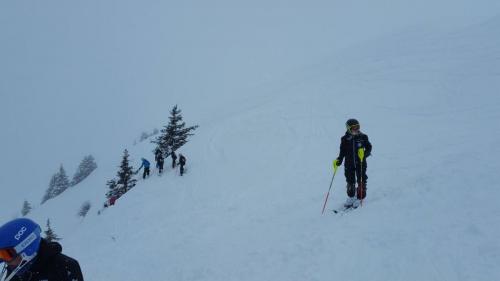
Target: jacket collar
(46,252)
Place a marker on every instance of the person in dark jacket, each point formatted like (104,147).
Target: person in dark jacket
(174,158)
(28,257)
(145,164)
(157,154)
(182,162)
(160,160)
(355,169)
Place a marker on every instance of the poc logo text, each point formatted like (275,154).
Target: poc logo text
(20,233)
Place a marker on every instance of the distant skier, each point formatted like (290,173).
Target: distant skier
(112,200)
(159,160)
(157,154)
(160,163)
(145,164)
(182,162)
(174,158)
(355,169)
(27,256)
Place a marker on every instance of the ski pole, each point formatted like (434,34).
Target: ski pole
(361,155)
(335,166)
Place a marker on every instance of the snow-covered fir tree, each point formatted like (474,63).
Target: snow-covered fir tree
(50,235)
(146,135)
(84,209)
(58,184)
(62,182)
(26,208)
(86,167)
(125,175)
(175,134)
(49,193)
(112,189)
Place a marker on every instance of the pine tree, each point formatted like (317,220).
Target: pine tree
(58,184)
(84,209)
(113,190)
(26,208)
(125,175)
(86,167)
(50,192)
(50,235)
(144,136)
(175,134)
(62,182)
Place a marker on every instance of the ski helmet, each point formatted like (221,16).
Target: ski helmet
(19,237)
(352,124)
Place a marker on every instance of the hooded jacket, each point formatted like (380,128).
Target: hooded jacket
(51,265)
(145,164)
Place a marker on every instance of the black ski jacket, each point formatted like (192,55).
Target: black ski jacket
(182,160)
(50,264)
(349,145)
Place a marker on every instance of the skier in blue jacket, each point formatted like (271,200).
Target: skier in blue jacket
(145,164)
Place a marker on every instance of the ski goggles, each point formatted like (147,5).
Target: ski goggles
(7,255)
(354,127)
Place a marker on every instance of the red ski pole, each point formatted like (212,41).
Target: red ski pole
(335,166)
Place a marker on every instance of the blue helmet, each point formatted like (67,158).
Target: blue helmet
(20,237)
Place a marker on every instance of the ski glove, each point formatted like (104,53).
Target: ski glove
(337,162)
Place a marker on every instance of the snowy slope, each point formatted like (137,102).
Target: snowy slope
(86,77)
(249,207)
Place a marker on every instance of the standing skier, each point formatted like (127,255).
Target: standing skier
(182,162)
(157,154)
(174,158)
(159,160)
(160,163)
(355,170)
(27,256)
(145,164)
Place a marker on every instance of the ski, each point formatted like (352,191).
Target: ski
(344,210)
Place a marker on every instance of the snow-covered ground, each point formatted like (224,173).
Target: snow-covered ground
(259,166)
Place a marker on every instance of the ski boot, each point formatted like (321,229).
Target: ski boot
(350,202)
